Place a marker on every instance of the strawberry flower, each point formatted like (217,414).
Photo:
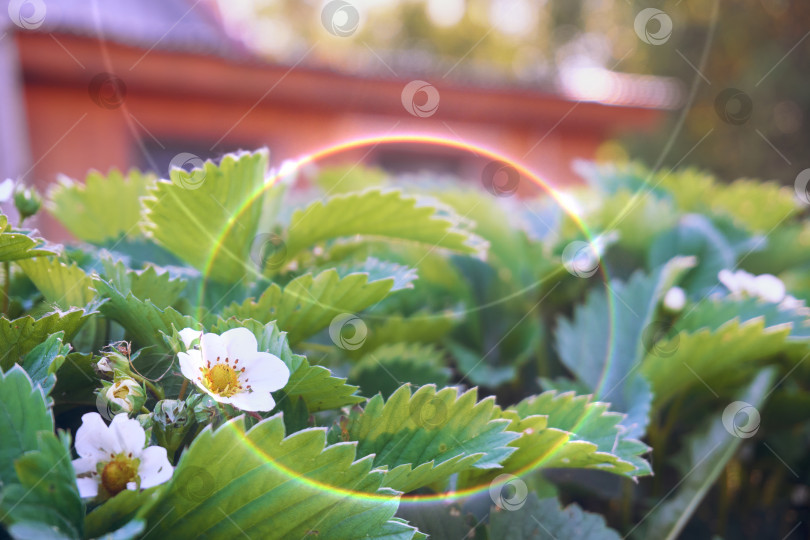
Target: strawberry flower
(231,369)
(113,458)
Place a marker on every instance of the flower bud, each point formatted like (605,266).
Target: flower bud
(126,394)
(103,367)
(113,362)
(172,423)
(203,406)
(675,300)
(27,201)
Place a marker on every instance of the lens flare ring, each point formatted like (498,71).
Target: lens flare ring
(291,168)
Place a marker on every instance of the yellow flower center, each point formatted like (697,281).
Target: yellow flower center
(120,470)
(222,379)
(122,392)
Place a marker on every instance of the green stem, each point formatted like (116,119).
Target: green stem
(183,390)
(6,286)
(156,390)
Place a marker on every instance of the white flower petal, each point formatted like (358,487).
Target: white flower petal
(88,487)
(155,467)
(93,439)
(747,282)
(266,372)
(216,397)
(190,364)
(240,343)
(128,432)
(6,189)
(84,465)
(212,348)
(253,401)
(729,280)
(770,288)
(188,335)
(791,303)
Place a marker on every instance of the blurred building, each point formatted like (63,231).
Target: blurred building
(120,83)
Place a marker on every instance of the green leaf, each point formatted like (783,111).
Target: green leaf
(566,431)
(44,360)
(376,213)
(545,519)
(19,336)
(209,216)
(19,244)
(314,384)
(695,235)
(24,412)
(441,518)
(419,327)
(263,485)
(152,283)
(605,342)
(479,370)
(65,285)
(35,530)
(428,436)
(510,249)
(707,453)
(775,203)
(712,313)
(142,319)
(46,491)
(103,208)
(390,366)
(117,512)
(377,270)
(711,361)
(76,381)
(130,531)
(309,304)
(348,178)
(637,217)
(786,247)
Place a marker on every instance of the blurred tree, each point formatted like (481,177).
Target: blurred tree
(756,47)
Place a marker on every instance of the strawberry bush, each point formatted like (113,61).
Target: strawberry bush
(223,353)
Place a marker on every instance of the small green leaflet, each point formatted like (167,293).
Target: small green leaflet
(604,344)
(377,213)
(566,431)
(62,284)
(142,319)
(545,519)
(152,283)
(19,336)
(309,304)
(209,217)
(43,361)
(723,359)
(103,207)
(117,511)
(17,244)
(427,436)
(46,491)
(24,412)
(264,485)
(386,368)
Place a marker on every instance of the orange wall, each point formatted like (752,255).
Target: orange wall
(173,97)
